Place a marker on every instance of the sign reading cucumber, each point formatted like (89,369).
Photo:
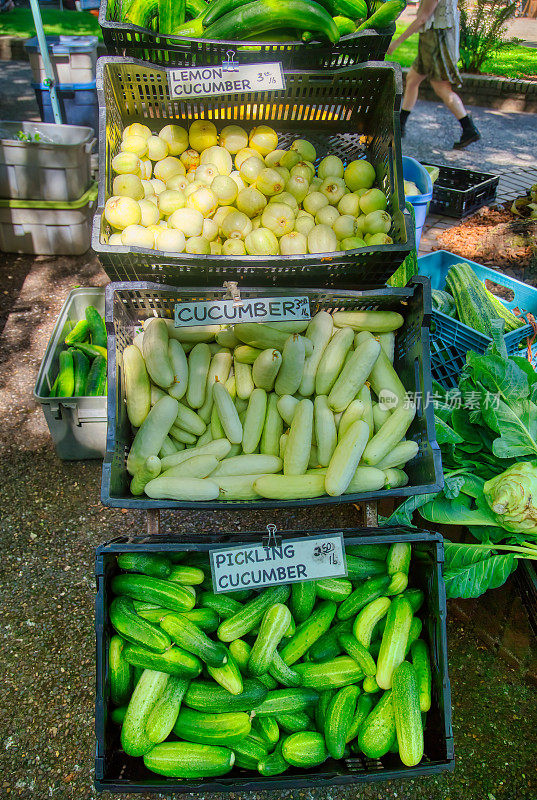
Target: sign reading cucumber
(290,561)
(224,80)
(229,312)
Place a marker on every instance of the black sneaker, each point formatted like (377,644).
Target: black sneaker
(468,137)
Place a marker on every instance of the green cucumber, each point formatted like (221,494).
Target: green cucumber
(120,672)
(185,760)
(371,552)
(117,715)
(358,569)
(368,617)
(267,729)
(293,721)
(368,591)
(223,605)
(338,719)
(337,589)
(134,629)
(82,368)
(150,687)
(174,661)
(274,624)
(153,590)
(273,764)
(422,664)
(191,638)
(251,613)
(281,672)
(356,650)
(152,564)
(284,701)
(394,641)
(228,676)
(406,706)
(97,327)
(96,380)
(308,632)
(249,752)
(363,707)
(164,713)
(328,646)
(66,375)
(186,575)
(225,728)
(415,597)
(302,600)
(320,709)
(398,558)
(306,749)
(377,734)
(212,698)
(79,333)
(340,671)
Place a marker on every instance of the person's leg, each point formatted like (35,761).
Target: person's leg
(451,99)
(412,87)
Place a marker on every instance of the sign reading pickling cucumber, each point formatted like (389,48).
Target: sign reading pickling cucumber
(254,566)
(256,309)
(224,80)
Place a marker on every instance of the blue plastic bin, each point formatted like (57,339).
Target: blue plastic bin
(414,171)
(78,103)
(451,339)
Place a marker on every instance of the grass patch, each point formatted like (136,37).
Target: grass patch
(20,22)
(513,63)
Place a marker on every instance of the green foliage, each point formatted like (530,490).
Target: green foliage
(470,570)
(20,22)
(483,31)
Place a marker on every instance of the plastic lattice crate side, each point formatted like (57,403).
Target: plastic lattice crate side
(117,772)
(459,192)
(123,38)
(350,112)
(451,339)
(128,304)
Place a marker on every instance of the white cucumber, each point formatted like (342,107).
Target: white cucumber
(156,356)
(152,433)
(332,360)
(354,411)
(386,383)
(246,354)
(150,470)
(189,420)
(217,430)
(205,438)
(290,327)
(292,368)
(325,431)
(272,428)
(237,487)
(180,435)
(287,405)
(199,360)
(180,369)
(265,369)
(387,342)
(192,334)
(157,394)
(402,452)
(226,338)
(167,449)
(195,467)
(374,321)
(259,335)
(219,368)
(353,375)
(364,395)
(253,464)
(179,488)
(395,478)
(366,479)
(297,450)
(390,434)
(283,444)
(296,487)
(380,415)
(218,448)
(318,332)
(254,421)
(243,380)
(137,386)
(346,458)
(227,413)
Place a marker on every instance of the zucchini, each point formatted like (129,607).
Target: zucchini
(394,641)
(226,728)
(134,629)
(306,749)
(153,590)
(377,733)
(474,305)
(96,325)
(152,564)
(149,689)
(191,638)
(81,366)
(212,698)
(174,661)
(120,672)
(185,760)
(164,713)
(338,719)
(406,706)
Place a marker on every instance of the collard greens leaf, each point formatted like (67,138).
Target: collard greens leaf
(445,434)
(453,485)
(499,376)
(516,429)
(470,570)
(403,514)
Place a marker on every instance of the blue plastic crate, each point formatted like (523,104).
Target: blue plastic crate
(78,103)
(451,339)
(414,171)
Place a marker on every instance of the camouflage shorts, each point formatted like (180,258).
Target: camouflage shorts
(438,53)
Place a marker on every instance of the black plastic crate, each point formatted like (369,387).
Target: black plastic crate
(351,112)
(129,303)
(459,192)
(117,772)
(526,578)
(125,39)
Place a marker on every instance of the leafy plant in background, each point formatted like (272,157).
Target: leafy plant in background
(491,432)
(483,31)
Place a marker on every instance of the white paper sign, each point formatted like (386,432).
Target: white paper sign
(255,566)
(256,309)
(221,80)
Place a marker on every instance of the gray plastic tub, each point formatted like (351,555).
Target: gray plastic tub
(73,58)
(77,424)
(56,167)
(47,228)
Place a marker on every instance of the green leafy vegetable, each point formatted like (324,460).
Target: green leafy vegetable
(470,570)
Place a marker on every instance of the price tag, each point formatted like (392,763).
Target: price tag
(228,312)
(221,80)
(293,560)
